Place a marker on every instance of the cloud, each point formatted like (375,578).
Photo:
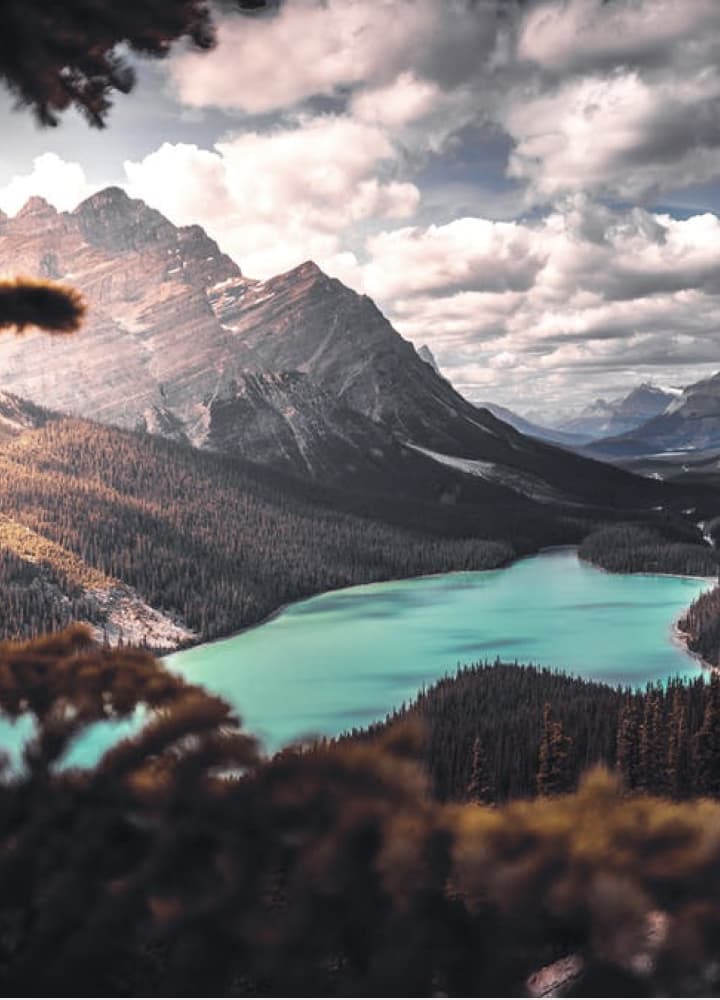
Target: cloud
(619,135)
(406,99)
(464,255)
(587,35)
(327,48)
(618,99)
(614,98)
(308,48)
(274,199)
(59,182)
(585,295)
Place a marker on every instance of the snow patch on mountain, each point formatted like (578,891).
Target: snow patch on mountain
(502,475)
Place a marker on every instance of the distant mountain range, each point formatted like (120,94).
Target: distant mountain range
(690,423)
(605,418)
(533,429)
(297,372)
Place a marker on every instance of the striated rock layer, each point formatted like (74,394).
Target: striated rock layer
(298,372)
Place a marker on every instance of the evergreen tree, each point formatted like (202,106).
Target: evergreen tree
(57,55)
(627,755)
(678,768)
(653,746)
(480,786)
(553,774)
(707,745)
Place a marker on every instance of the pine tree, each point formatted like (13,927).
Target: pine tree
(706,746)
(553,774)
(54,55)
(652,775)
(627,756)
(480,786)
(678,767)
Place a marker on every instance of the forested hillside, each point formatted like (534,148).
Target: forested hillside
(665,545)
(501,731)
(217,541)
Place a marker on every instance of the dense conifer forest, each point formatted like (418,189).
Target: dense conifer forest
(222,542)
(667,545)
(217,541)
(701,626)
(501,731)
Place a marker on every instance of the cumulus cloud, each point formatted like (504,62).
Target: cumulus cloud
(274,199)
(392,62)
(308,48)
(618,99)
(406,99)
(585,293)
(59,182)
(618,135)
(464,255)
(587,35)
(615,98)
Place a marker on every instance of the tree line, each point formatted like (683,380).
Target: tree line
(664,544)
(499,731)
(219,542)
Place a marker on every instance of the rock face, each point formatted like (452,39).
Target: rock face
(691,422)
(298,371)
(617,416)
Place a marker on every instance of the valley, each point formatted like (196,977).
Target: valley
(215,446)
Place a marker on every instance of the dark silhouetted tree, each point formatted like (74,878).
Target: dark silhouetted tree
(479,789)
(54,55)
(627,753)
(707,745)
(553,775)
(678,755)
(652,772)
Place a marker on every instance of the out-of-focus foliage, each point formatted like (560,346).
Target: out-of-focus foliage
(54,307)
(54,55)
(186,864)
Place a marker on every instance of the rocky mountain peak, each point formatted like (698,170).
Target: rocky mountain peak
(111,220)
(35,206)
(427,355)
(298,371)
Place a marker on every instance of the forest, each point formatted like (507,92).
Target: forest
(222,542)
(499,731)
(660,545)
(212,539)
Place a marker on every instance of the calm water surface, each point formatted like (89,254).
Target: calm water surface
(347,657)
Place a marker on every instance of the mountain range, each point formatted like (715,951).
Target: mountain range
(690,423)
(608,417)
(210,446)
(298,372)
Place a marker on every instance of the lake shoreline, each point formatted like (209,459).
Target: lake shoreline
(344,659)
(545,550)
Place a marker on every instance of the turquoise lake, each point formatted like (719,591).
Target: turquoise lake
(347,657)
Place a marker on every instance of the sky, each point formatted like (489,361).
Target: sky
(530,188)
